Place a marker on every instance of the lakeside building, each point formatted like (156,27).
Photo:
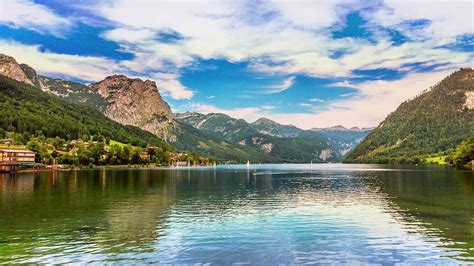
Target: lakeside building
(12,159)
(182,164)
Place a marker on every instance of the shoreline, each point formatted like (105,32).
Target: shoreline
(137,166)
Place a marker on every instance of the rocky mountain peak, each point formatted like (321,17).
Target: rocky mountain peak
(9,67)
(134,102)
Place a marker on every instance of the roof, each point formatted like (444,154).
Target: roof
(15,150)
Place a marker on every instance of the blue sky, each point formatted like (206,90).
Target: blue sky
(308,63)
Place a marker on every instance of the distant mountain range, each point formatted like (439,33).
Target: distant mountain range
(432,124)
(138,103)
(282,141)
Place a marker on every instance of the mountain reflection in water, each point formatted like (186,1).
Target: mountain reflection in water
(285,214)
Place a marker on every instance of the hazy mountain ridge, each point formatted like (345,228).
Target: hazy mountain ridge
(341,138)
(431,124)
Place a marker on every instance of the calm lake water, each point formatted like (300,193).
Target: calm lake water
(284,214)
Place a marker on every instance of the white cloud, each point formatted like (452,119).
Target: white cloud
(267,107)
(308,14)
(247,113)
(316,100)
(129,35)
(348,94)
(78,67)
(279,44)
(286,84)
(169,84)
(306,105)
(211,97)
(446,18)
(27,14)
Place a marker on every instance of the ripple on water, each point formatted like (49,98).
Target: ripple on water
(287,214)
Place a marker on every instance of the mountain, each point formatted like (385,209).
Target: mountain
(433,123)
(68,90)
(135,102)
(9,67)
(192,139)
(272,128)
(340,128)
(25,109)
(288,143)
(341,138)
(218,125)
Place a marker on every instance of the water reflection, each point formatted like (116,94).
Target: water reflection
(285,214)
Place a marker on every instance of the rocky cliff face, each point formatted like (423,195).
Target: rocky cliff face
(137,103)
(9,67)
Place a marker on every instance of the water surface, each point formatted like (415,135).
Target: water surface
(283,214)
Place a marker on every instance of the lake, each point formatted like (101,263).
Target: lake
(321,213)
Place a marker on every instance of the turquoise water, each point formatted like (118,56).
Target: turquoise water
(284,214)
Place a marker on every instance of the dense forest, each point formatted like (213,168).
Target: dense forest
(432,124)
(463,155)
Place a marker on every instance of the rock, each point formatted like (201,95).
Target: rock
(33,76)
(135,102)
(325,154)
(9,67)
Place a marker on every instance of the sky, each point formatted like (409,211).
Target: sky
(307,63)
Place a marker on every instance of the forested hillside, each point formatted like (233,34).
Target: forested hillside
(433,123)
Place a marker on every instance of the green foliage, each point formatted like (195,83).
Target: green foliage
(433,123)
(436,160)
(464,154)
